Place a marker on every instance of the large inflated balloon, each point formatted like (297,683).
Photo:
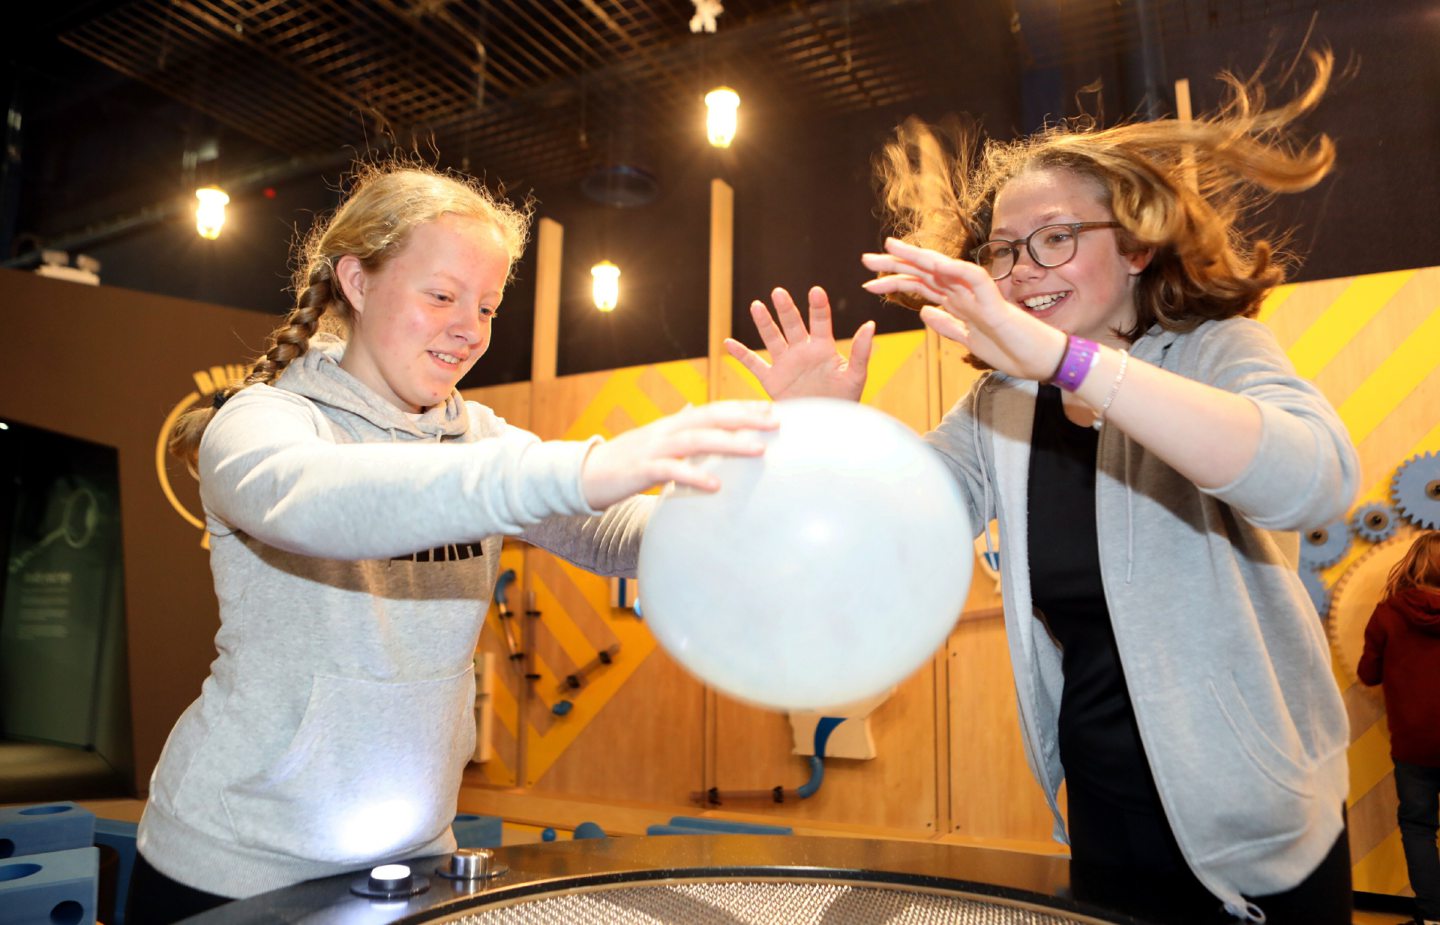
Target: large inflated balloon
(821,573)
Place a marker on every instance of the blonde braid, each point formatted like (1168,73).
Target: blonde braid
(288,342)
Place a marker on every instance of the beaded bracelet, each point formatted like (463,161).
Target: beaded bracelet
(1080,356)
(1114,388)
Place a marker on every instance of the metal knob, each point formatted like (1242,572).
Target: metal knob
(472,864)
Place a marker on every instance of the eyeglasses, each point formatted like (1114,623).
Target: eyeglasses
(1049,246)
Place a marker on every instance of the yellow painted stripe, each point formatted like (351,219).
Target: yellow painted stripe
(503,701)
(687,378)
(571,638)
(1387,386)
(1383,869)
(1369,761)
(640,406)
(591,420)
(636,645)
(890,353)
(1277,297)
(1361,301)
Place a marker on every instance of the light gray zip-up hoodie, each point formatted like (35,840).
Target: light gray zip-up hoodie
(354,549)
(1226,661)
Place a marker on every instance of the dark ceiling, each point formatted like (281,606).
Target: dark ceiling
(547,90)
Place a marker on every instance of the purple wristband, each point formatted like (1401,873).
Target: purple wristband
(1080,355)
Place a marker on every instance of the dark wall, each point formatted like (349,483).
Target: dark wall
(109,365)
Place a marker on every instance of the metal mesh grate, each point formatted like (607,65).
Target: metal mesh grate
(732,902)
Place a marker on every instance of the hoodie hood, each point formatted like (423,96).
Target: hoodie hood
(317,375)
(1421,609)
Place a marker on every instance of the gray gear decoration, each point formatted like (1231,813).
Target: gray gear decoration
(1319,594)
(1323,546)
(1375,522)
(1416,490)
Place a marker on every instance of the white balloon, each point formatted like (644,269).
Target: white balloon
(821,573)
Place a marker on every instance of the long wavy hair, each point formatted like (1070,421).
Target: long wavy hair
(1181,188)
(1420,568)
(383,206)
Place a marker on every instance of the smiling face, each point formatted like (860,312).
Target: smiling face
(1092,294)
(423,318)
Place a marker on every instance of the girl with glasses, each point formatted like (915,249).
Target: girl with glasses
(1149,454)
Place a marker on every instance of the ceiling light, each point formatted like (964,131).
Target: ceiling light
(606,287)
(210,212)
(720,121)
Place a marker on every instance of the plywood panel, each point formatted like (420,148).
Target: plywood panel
(993,794)
(896,789)
(644,744)
(511,401)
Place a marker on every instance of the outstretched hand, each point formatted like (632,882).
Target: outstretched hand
(660,451)
(967,307)
(804,363)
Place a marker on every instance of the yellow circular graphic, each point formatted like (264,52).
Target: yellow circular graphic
(170,419)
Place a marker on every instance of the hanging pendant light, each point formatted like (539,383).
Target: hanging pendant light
(210,212)
(720,122)
(606,285)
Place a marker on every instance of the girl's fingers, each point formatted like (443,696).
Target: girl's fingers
(909,284)
(790,321)
(770,334)
(820,323)
(945,324)
(748,358)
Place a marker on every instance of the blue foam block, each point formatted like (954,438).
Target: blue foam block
(120,836)
(676,830)
(473,831)
(57,887)
(728,827)
(44,828)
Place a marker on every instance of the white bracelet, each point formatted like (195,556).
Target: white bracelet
(1114,388)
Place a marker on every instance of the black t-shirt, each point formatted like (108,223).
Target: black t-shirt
(1099,741)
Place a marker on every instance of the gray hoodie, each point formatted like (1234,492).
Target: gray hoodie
(1225,659)
(354,549)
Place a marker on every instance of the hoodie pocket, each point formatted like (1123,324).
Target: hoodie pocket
(1277,763)
(372,771)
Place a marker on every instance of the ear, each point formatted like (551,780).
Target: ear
(1140,260)
(350,276)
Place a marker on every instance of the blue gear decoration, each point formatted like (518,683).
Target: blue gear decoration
(1416,490)
(1319,594)
(1323,546)
(1375,522)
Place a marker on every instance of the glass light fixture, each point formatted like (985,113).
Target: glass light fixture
(210,212)
(722,102)
(606,285)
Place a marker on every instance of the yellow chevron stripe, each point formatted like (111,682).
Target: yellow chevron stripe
(890,353)
(1361,301)
(1383,869)
(1275,300)
(1369,761)
(688,378)
(506,707)
(591,420)
(571,639)
(1387,386)
(636,644)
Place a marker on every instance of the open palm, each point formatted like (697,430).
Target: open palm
(804,363)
